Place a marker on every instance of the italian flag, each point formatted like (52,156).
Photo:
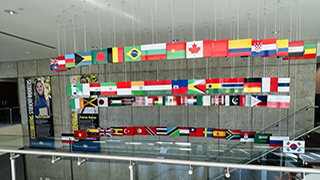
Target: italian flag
(153,52)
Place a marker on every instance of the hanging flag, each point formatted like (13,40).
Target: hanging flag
(128,131)
(139,130)
(71,90)
(240,47)
(99,56)
(252,85)
(293,146)
(277,141)
(264,47)
(231,85)
(198,132)
(93,133)
(151,131)
(247,136)
(207,132)
(155,101)
(161,131)
(277,101)
(219,133)
(194,49)
(218,48)
(61,62)
(109,88)
(106,132)
(283,84)
(115,55)
(310,51)
(102,102)
(173,131)
(160,87)
(213,86)
(203,100)
(196,86)
(153,52)
(120,101)
(80,134)
(69,59)
(140,101)
(53,63)
(83,58)
(67,137)
(90,102)
(95,89)
(296,49)
(132,53)
(180,86)
(259,100)
(83,89)
(77,103)
(117,131)
(245,100)
(282,48)
(176,50)
(137,88)
(269,84)
(262,138)
(184,131)
(218,100)
(231,100)
(124,88)
(233,134)
(191,100)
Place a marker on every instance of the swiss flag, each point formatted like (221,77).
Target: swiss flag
(128,131)
(139,130)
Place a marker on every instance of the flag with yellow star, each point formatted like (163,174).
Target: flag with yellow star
(176,50)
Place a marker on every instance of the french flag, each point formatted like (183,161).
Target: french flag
(264,47)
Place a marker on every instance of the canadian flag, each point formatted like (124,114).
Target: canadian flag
(194,49)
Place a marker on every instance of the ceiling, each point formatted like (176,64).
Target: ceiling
(40,24)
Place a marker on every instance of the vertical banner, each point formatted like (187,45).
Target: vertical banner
(40,119)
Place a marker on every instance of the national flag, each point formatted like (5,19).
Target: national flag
(282,48)
(262,138)
(151,131)
(247,136)
(231,85)
(278,101)
(293,146)
(176,50)
(155,101)
(283,84)
(198,132)
(106,132)
(259,100)
(82,134)
(252,85)
(132,53)
(99,56)
(69,58)
(93,133)
(219,133)
(196,86)
(217,100)
(153,52)
(264,47)
(71,90)
(245,100)
(76,103)
(180,86)
(83,89)
(102,102)
(128,131)
(240,47)
(160,87)
(213,86)
(117,131)
(53,63)
(95,89)
(67,137)
(217,48)
(277,141)
(191,100)
(269,84)
(120,101)
(109,88)
(115,54)
(90,102)
(233,134)
(194,49)
(83,58)
(207,132)
(296,49)
(61,62)
(203,100)
(310,51)
(140,101)
(172,101)
(184,131)
(173,131)
(231,100)
(139,130)
(124,88)
(137,88)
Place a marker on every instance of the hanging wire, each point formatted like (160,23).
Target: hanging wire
(74,30)
(248,30)
(99,20)
(193,21)
(133,30)
(215,21)
(172,21)
(152,25)
(258,20)
(155,20)
(264,36)
(139,34)
(238,21)
(300,25)
(84,26)
(58,36)
(275,19)
(124,41)
(290,21)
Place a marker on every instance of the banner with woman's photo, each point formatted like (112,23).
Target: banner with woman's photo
(40,120)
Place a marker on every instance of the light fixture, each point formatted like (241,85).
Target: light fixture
(227,173)
(190,172)
(55,159)
(12,12)
(80,161)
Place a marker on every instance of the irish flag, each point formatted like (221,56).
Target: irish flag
(153,52)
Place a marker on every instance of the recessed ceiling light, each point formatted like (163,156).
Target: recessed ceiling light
(12,12)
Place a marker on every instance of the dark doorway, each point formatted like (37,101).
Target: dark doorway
(9,102)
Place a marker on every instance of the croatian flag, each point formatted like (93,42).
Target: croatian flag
(264,47)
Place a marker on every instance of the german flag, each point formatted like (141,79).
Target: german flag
(252,85)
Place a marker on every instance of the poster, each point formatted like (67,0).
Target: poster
(40,119)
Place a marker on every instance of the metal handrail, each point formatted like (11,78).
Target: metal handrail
(8,108)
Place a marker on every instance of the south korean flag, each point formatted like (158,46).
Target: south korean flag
(293,146)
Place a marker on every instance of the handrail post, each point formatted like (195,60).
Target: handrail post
(11,116)
(13,167)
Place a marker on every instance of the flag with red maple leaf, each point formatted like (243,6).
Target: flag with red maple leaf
(194,49)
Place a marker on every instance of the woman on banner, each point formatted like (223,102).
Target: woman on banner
(42,102)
